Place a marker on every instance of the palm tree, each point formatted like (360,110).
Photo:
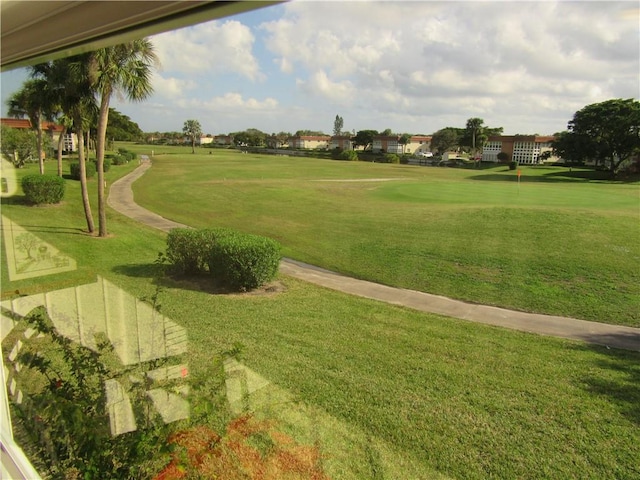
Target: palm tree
(33,101)
(474,125)
(126,69)
(193,131)
(69,85)
(67,125)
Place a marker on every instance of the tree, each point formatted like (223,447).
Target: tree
(608,132)
(338,125)
(364,138)
(18,144)
(67,125)
(125,69)
(122,128)
(33,100)
(387,132)
(70,87)
(503,157)
(444,140)
(193,131)
(251,137)
(474,130)
(403,140)
(310,133)
(573,148)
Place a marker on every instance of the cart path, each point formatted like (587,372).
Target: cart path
(616,336)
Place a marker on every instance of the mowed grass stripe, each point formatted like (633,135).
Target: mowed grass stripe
(463,399)
(562,246)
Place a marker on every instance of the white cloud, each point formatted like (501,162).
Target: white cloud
(209,48)
(171,87)
(414,66)
(460,58)
(319,84)
(235,101)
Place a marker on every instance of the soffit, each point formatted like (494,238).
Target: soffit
(36,31)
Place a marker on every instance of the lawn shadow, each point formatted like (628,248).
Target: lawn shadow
(47,229)
(160,275)
(563,176)
(621,385)
(15,200)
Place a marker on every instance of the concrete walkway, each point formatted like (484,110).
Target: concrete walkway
(121,199)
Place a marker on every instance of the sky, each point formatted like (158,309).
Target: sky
(414,67)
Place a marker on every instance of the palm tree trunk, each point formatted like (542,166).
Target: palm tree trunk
(60,145)
(83,179)
(103,119)
(39,140)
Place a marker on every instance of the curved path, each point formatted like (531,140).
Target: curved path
(616,336)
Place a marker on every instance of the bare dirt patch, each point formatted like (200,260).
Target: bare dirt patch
(354,180)
(206,284)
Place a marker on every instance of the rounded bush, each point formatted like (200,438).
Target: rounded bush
(350,155)
(74,169)
(40,189)
(391,158)
(119,159)
(244,262)
(106,164)
(127,154)
(188,249)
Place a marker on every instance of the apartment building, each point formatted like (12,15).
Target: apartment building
(310,142)
(392,144)
(70,140)
(342,142)
(524,149)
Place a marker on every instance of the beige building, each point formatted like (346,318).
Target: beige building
(342,142)
(310,142)
(391,144)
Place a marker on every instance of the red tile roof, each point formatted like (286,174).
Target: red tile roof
(26,123)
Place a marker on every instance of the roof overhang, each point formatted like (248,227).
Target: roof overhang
(33,32)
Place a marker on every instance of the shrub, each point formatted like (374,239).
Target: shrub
(243,262)
(336,152)
(503,157)
(119,159)
(128,154)
(188,249)
(41,189)
(513,165)
(350,155)
(391,158)
(74,168)
(106,164)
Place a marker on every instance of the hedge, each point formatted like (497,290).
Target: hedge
(90,168)
(244,262)
(233,259)
(106,164)
(188,249)
(41,189)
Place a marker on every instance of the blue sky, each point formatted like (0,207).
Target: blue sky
(413,67)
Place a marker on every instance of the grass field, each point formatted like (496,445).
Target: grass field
(560,242)
(384,392)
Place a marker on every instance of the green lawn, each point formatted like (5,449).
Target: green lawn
(384,392)
(562,243)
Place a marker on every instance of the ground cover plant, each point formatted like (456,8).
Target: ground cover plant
(381,391)
(558,242)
